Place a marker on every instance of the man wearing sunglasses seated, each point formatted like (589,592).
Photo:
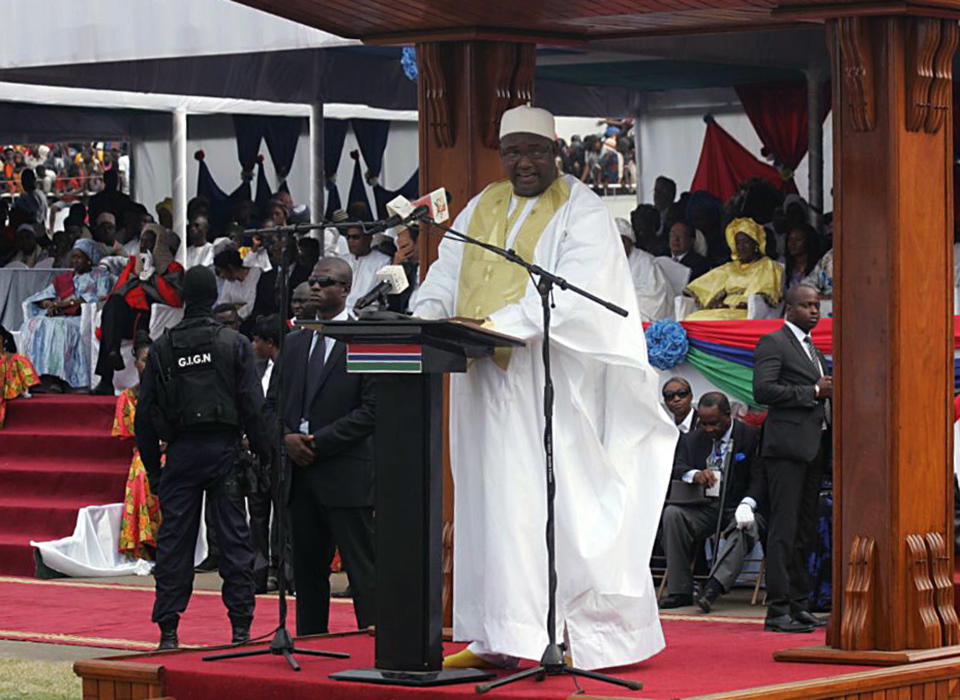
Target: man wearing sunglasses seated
(328,422)
(678,398)
(364,263)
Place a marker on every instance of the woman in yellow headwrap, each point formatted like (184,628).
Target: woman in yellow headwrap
(722,293)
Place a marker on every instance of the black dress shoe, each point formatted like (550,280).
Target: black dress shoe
(785,623)
(711,592)
(241,633)
(676,600)
(168,639)
(807,618)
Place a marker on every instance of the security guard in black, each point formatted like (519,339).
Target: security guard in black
(198,393)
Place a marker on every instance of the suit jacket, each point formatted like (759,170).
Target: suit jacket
(697,263)
(744,476)
(784,379)
(341,415)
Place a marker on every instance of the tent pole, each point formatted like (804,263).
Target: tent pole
(316,162)
(178,158)
(815,139)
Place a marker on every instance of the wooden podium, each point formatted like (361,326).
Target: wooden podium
(411,356)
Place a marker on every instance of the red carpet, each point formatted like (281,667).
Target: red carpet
(118,616)
(701,657)
(56,455)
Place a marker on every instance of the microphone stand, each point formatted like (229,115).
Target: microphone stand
(552,661)
(282,643)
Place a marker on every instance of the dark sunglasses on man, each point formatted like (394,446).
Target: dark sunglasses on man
(678,394)
(324,281)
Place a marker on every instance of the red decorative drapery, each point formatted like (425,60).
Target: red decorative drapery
(725,165)
(779,114)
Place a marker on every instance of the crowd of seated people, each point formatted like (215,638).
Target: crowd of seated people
(739,258)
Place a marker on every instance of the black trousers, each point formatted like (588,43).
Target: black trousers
(118,321)
(197,464)
(317,531)
(794,489)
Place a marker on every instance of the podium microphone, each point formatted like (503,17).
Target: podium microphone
(391,279)
(433,205)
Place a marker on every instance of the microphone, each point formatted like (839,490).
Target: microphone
(433,205)
(391,279)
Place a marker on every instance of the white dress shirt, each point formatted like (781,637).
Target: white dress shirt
(327,349)
(267,373)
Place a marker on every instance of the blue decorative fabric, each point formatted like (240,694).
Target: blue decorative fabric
(408,59)
(667,343)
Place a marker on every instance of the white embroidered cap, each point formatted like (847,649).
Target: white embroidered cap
(528,120)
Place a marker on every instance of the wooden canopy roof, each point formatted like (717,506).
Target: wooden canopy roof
(568,21)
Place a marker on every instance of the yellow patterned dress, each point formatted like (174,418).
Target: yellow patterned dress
(141,509)
(17,375)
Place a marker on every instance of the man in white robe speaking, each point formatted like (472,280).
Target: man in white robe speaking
(613,445)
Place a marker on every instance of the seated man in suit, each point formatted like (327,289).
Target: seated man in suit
(721,455)
(328,422)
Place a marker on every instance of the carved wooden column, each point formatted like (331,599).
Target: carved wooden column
(464,89)
(893,338)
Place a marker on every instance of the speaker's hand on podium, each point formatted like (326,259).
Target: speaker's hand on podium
(299,448)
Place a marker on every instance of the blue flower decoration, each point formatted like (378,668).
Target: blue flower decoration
(408,60)
(667,344)
(739,457)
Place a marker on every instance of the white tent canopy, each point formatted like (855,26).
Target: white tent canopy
(62,32)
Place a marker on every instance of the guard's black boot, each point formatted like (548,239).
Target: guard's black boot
(168,638)
(241,632)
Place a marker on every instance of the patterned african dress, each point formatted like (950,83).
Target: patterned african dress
(141,509)
(17,375)
(56,344)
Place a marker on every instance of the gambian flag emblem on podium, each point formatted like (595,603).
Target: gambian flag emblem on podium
(384,359)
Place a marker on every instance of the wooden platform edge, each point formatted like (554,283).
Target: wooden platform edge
(111,677)
(821,654)
(933,679)
(106,678)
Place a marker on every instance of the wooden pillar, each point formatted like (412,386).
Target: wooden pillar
(893,335)
(464,89)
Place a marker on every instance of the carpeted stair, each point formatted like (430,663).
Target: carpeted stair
(56,455)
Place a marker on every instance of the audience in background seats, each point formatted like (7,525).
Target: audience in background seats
(678,399)
(152,277)
(681,240)
(721,455)
(723,292)
(654,293)
(801,254)
(51,334)
(248,289)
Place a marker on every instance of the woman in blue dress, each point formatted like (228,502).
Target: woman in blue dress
(51,335)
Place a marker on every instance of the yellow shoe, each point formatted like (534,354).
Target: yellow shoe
(465,659)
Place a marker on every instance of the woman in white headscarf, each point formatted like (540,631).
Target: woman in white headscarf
(51,334)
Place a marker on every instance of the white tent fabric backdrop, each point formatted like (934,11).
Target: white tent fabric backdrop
(63,32)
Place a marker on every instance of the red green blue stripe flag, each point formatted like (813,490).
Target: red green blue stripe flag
(384,359)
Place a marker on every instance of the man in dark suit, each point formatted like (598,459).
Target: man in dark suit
(681,249)
(790,376)
(721,455)
(328,423)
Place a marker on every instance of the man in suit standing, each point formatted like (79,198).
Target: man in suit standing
(790,376)
(721,455)
(328,423)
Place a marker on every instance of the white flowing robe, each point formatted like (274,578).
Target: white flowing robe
(613,455)
(654,293)
(364,273)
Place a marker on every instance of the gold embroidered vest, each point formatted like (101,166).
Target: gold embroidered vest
(487,281)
